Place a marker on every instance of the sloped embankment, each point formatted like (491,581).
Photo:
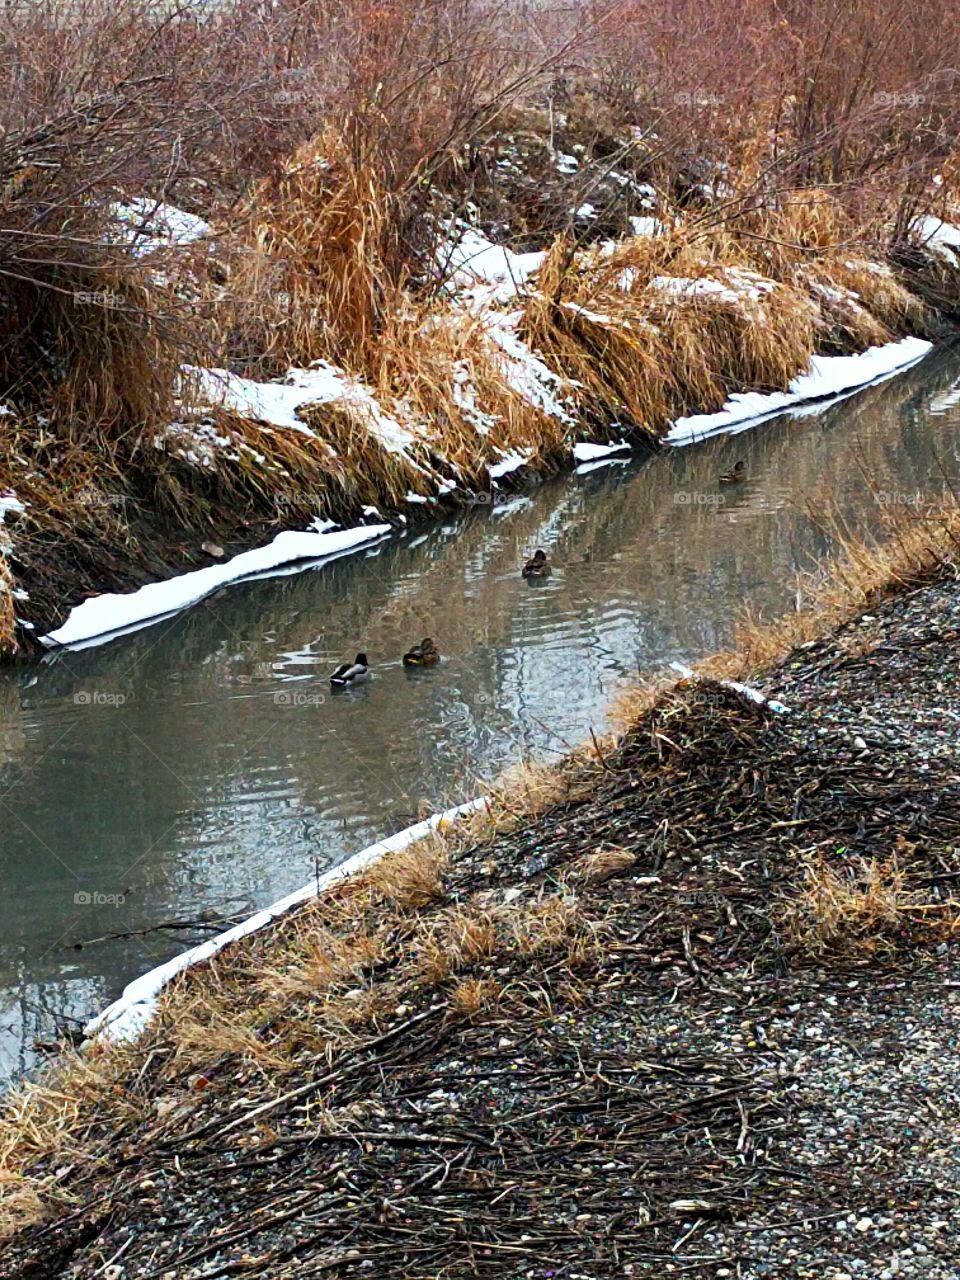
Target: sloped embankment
(492,375)
(690,1016)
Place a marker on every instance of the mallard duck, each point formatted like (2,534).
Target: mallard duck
(538,567)
(735,475)
(424,654)
(350,672)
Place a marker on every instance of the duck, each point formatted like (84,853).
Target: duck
(736,474)
(424,654)
(350,672)
(538,567)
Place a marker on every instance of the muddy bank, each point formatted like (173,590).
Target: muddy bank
(628,1031)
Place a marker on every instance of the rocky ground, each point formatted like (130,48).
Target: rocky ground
(671,1078)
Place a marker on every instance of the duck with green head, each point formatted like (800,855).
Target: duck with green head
(349,673)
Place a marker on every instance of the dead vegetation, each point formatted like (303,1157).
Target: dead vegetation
(332,194)
(861,906)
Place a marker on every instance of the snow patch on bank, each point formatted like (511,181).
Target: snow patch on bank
(492,271)
(527,374)
(105,615)
(941,238)
(277,403)
(827,376)
(511,462)
(584,452)
(10,503)
(127,1016)
(148,225)
(746,690)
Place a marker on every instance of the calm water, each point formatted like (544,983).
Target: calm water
(200,768)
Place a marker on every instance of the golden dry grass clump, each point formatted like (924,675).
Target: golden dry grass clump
(8,640)
(316,263)
(860,905)
(659,326)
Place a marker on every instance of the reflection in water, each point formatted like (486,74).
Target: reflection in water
(203,765)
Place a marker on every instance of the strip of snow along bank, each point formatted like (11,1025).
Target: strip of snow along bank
(104,616)
(586,452)
(827,376)
(128,1015)
(748,691)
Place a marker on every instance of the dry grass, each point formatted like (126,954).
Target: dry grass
(412,878)
(471,996)
(604,864)
(317,264)
(860,905)
(8,640)
(910,545)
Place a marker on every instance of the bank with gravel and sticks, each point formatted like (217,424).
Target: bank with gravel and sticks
(683,1005)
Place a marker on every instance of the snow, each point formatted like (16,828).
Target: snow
(465,398)
(9,502)
(595,317)
(127,1016)
(277,402)
(511,462)
(737,286)
(148,225)
(827,376)
(474,260)
(941,238)
(584,452)
(200,444)
(107,614)
(528,375)
(648,226)
(747,690)
(586,211)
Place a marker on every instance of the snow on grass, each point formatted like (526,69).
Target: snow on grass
(201,444)
(277,403)
(109,614)
(647,226)
(827,376)
(525,372)
(127,1016)
(941,238)
(737,286)
(10,504)
(487,271)
(510,462)
(465,398)
(148,225)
